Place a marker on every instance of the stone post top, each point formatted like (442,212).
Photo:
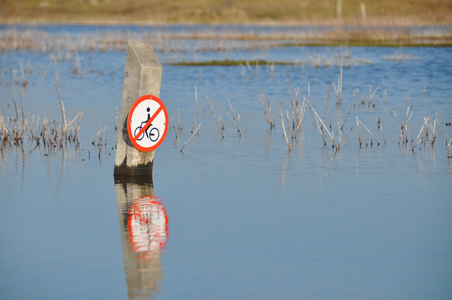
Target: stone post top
(144,53)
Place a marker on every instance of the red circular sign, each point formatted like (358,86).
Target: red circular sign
(147,123)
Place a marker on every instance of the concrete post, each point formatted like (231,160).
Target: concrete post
(142,76)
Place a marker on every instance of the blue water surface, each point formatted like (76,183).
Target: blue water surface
(247,218)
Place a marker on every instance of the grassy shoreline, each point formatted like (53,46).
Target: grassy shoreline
(106,21)
(383,23)
(265,12)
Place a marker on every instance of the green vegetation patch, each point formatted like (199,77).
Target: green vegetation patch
(230,63)
(371,43)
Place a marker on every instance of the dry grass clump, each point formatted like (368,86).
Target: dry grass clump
(318,119)
(298,112)
(428,131)
(427,134)
(16,130)
(403,136)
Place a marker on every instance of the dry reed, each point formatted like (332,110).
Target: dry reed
(338,89)
(284,128)
(267,110)
(371,96)
(192,135)
(449,148)
(341,127)
(321,121)
(234,118)
(178,130)
(358,121)
(217,121)
(380,128)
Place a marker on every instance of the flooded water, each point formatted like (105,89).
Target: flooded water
(235,215)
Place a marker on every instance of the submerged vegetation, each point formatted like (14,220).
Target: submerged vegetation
(17,130)
(290,117)
(336,134)
(208,39)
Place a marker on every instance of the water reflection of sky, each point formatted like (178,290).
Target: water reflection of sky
(248,219)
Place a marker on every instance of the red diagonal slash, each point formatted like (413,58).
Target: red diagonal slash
(148,123)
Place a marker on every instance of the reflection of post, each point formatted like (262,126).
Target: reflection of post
(144,232)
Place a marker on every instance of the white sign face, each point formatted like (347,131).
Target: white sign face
(147,123)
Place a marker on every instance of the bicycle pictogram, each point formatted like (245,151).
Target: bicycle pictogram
(151,132)
(147,123)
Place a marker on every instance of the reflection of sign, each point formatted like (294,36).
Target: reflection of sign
(148,226)
(147,123)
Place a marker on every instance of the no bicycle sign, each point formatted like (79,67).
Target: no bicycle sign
(147,123)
